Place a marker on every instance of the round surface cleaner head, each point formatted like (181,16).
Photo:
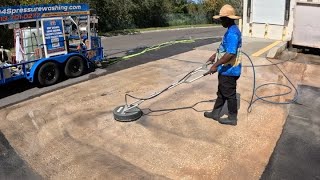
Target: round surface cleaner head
(121,115)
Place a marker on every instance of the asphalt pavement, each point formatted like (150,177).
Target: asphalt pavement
(118,46)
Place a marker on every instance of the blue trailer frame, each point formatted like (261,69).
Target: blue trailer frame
(29,70)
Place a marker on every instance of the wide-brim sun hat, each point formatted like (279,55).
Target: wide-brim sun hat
(227,11)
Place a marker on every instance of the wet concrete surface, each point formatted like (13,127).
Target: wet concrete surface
(296,155)
(70,133)
(11,165)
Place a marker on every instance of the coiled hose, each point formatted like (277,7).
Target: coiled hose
(265,98)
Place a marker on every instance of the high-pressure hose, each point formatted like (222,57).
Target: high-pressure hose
(254,84)
(264,98)
(158,46)
(155,47)
(164,90)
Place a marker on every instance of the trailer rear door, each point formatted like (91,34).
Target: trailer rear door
(306,30)
(268,11)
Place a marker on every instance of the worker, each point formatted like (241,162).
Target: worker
(227,62)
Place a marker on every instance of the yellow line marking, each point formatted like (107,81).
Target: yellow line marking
(265,49)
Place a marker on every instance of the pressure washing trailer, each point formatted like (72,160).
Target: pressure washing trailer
(131,112)
(51,40)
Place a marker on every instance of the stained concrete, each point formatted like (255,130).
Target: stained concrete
(71,133)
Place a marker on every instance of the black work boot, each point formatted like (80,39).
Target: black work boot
(214,114)
(231,120)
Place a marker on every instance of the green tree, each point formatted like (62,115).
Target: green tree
(237,4)
(114,14)
(150,13)
(123,14)
(180,6)
(215,5)
(6,35)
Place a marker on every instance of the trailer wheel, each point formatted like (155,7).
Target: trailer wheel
(74,67)
(48,74)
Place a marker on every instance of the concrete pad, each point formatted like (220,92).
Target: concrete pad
(70,133)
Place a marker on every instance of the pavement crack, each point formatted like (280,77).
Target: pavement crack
(305,67)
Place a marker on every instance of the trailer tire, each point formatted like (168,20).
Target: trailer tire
(74,67)
(48,74)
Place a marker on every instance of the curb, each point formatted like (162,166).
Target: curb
(277,50)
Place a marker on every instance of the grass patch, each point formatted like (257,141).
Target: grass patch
(176,27)
(137,31)
(120,32)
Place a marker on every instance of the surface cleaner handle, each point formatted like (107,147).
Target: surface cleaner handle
(209,72)
(202,68)
(184,80)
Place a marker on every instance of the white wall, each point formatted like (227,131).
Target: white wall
(264,30)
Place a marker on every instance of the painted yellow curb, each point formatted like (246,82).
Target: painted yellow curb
(265,49)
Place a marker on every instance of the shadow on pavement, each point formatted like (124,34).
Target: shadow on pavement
(11,165)
(15,87)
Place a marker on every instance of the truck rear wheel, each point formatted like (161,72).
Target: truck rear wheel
(74,67)
(48,74)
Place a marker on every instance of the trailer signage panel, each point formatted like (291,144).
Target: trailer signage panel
(53,34)
(33,12)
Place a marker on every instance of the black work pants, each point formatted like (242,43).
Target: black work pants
(227,91)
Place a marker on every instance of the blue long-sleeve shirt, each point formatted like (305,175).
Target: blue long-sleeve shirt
(231,44)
